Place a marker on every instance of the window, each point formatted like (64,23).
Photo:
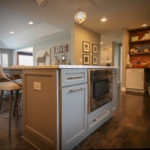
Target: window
(25,58)
(4,59)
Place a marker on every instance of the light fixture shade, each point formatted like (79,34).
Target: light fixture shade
(80,16)
(41,2)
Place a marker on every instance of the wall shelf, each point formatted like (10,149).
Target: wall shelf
(140,41)
(139,53)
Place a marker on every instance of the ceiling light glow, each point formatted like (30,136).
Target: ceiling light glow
(30,22)
(144,25)
(41,2)
(103,19)
(11,32)
(80,16)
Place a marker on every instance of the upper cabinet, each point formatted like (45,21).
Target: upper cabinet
(139,47)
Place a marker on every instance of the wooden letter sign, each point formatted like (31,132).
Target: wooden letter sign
(60,49)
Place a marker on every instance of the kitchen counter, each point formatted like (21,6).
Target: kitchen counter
(55,105)
(137,79)
(56,67)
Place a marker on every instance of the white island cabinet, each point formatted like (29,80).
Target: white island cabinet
(74,106)
(55,106)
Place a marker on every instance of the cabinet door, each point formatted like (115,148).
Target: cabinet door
(74,115)
(135,79)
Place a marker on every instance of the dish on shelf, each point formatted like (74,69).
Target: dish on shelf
(134,38)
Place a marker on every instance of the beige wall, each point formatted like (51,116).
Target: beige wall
(125,51)
(78,35)
(44,44)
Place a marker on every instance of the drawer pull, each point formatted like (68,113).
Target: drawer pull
(72,78)
(101,116)
(75,90)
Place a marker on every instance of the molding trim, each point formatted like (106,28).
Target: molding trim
(28,141)
(123,89)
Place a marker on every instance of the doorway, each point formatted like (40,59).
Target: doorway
(117,58)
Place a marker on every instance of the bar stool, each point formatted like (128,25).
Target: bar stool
(10,86)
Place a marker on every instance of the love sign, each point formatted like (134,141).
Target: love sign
(60,49)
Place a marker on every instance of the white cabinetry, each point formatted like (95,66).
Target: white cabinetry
(99,116)
(135,79)
(74,107)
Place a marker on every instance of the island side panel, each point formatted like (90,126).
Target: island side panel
(40,105)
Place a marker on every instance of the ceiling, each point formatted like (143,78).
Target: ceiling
(59,14)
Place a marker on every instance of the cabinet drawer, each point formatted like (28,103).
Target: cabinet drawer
(140,70)
(98,117)
(73,76)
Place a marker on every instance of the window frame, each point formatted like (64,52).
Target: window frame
(24,54)
(1,58)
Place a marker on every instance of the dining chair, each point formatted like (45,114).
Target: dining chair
(9,85)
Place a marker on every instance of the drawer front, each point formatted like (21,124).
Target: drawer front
(139,70)
(98,117)
(73,76)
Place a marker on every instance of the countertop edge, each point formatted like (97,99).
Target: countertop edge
(60,67)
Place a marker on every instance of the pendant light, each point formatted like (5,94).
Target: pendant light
(80,15)
(41,2)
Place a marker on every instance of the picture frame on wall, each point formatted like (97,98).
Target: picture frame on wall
(94,49)
(86,47)
(86,59)
(95,60)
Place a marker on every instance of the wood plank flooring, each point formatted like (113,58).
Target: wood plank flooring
(128,128)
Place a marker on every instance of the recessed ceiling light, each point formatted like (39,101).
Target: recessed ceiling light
(103,19)
(144,25)
(101,43)
(11,32)
(30,22)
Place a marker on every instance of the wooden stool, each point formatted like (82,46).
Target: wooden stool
(9,86)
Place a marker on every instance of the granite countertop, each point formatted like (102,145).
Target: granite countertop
(58,67)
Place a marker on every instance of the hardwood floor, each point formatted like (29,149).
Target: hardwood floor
(128,128)
(15,142)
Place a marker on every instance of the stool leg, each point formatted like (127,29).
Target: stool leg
(16,103)
(1,100)
(10,100)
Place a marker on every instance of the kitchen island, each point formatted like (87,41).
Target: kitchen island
(56,102)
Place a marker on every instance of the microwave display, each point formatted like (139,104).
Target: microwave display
(100,88)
